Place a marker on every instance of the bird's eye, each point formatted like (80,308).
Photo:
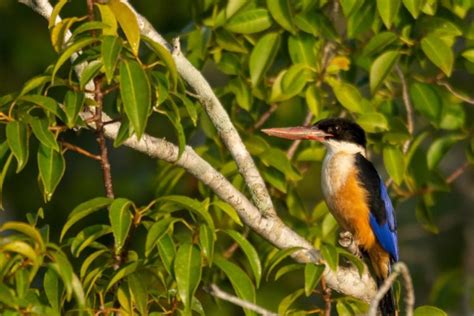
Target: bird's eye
(338,128)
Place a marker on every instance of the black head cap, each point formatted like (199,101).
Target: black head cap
(342,129)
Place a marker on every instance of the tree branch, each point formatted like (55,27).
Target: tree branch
(219,118)
(398,268)
(455,93)
(217,292)
(345,280)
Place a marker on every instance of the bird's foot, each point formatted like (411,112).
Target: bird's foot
(346,240)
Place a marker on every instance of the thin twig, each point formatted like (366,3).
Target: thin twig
(99,125)
(326,297)
(217,292)
(398,268)
(408,107)
(80,150)
(265,116)
(457,173)
(455,93)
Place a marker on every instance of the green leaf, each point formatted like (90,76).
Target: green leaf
(438,52)
(139,292)
(469,54)
(288,301)
(136,94)
(90,259)
(360,22)
(414,7)
(330,255)
(287,269)
(388,11)
(51,167)
(424,216)
(3,175)
(239,279)
(47,103)
(167,251)
(207,238)
(439,148)
(250,253)
(73,102)
(59,32)
(229,210)
(381,68)
(313,100)
(356,261)
(52,289)
(122,273)
(89,72)
(108,18)
(70,50)
(282,13)
(7,296)
(429,311)
(312,275)
(394,162)
(249,21)
(262,56)
(191,205)
(378,43)
(34,83)
(426,100)
(56,10)
(21,248)
(17,138)
(373,122)
(316,24)
(25,229)
(89,26)
(278,257)
(230,42)
(175,119)
(128,22)
(110,50)
(156,232)
(123,134)
(453,116)
(349,96)
(121,220)
(84,209)
(166,57)
(44,135)
(187,269)
(87,236)
(302,49)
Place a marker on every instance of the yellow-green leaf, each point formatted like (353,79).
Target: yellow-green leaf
(42,133)
(381,68)
(394,162)
(438,52)
(109,19)
(187,269)
(262,56)
(388,11)
(17,138)
(282,13)
(136,94)
(128,22)
(51,167)
(121,220)
(249,21)
(110,49)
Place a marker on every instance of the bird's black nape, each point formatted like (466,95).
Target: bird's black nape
(342,129)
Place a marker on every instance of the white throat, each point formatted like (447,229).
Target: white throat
(337,165)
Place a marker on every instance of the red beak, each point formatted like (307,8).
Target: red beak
(299,132)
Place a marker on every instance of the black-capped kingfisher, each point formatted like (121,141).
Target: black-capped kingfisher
(354,193)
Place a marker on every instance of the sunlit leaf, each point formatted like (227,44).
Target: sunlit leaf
(312,275)
(187,269)
(394,162)
(439,148)
(121,220)
(84,209)
(426,100)
(249,252)
(43,134)
(282,13)
(286,302)
(136,94)
(379,42)
(249,21)
(128,22)
(122,273)
(166,57)
(330,254)
(381,68)
(73,102)
(51,165)
(429,311)
(191,205)
(413,6)
(207,238)
(262,56)
(110,50)
(388,11)
(17,138)
(70,50)
(438,52)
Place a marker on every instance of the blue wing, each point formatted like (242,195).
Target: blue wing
(382,215)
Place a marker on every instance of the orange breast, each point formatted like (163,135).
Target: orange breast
(350,209)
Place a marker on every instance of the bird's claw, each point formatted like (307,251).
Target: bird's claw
(346,240)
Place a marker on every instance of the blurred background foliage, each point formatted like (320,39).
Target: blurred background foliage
(436,222)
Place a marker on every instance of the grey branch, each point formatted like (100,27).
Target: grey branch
(345,280)
(398,268)
(219,118)
(217,292)
(455,93)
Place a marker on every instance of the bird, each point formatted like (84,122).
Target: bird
(355,193)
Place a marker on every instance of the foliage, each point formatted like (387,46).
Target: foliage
(352,58)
